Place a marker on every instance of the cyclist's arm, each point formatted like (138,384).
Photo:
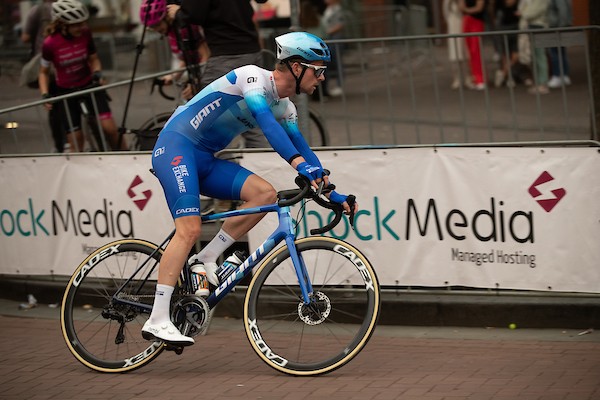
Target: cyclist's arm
(94,62)
(290,124)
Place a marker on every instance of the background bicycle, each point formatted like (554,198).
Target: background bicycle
(310,307)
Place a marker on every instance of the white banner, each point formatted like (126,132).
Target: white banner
(517,218)
(56,210)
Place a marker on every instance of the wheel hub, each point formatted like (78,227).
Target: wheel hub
(316,311)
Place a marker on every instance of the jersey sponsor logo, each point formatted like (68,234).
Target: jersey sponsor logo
(246,123)
(180,171)
(159,151)
(204,112)
(176,160)
(187,210)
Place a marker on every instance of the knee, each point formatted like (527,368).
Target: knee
(266,194)
(189,233)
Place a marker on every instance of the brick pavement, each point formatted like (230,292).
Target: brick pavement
(399,363)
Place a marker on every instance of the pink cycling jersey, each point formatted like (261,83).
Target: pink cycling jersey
(69,55)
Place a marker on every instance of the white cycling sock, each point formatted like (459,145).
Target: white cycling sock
(162,303)
(221,242)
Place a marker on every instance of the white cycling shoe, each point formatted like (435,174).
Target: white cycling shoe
(167,332)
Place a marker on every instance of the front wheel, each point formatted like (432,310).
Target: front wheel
(323,335)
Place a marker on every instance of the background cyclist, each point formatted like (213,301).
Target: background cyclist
(185,164)
(187,43)
(70,48)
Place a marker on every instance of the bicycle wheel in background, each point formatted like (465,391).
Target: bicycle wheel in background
(313,339)
(317,135)
(104,334)
(147,134)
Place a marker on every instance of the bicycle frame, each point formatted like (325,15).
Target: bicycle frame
(284,232)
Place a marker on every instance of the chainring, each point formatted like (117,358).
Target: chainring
(191,314)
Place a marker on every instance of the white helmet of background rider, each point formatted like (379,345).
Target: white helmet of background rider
(304,46)
(69,11)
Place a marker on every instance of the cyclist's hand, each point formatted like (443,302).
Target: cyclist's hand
(172,11)
(187,92)
(342,199)
(98,79)
(313,173)
(47,106)
(167,80)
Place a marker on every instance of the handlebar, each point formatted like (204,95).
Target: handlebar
(305,191)
(160,83)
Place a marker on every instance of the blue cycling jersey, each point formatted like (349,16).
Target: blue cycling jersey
(243,99)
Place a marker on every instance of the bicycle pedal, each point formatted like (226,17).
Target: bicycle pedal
(171,347)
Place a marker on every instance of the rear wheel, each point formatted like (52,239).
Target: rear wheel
(106,303)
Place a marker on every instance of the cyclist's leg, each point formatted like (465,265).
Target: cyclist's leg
(73,126)
(228,180)
(174,163)
(107,121)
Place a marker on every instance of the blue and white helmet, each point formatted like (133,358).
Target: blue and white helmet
(302,45)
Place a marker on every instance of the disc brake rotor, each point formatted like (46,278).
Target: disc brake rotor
(316,311)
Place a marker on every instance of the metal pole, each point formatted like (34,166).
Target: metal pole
(301,100)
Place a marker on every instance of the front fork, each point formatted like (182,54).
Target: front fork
(300,267)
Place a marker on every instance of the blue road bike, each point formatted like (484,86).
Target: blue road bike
(310,307)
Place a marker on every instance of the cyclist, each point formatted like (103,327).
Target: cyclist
(185,164)
(187,43)
(70,48)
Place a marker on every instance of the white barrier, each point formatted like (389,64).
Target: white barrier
(518,218)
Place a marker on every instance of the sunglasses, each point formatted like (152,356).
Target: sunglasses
(319,69)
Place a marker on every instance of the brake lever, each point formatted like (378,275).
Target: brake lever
(320,188)
(351,200)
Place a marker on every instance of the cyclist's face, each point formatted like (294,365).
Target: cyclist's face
(162,27)
(312,77)
(75,29)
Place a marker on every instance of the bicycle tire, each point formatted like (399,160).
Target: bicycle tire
(156,122)
(146,135)
(285,334)
(317,135)
(89,316)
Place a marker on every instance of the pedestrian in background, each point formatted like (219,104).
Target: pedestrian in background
(456,45)
(474,21)
(333,23)
(535,14)
(560,15)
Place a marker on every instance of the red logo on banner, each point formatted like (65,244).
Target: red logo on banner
(551,198)
(176,160)
(140,199)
